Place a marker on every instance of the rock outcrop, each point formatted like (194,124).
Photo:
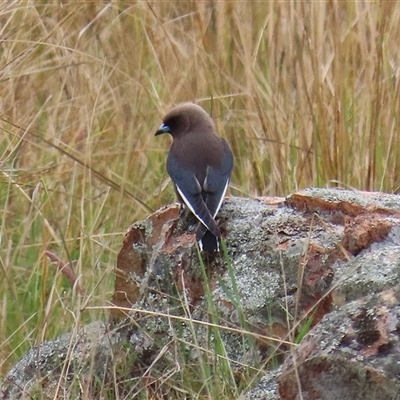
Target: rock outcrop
(321,261)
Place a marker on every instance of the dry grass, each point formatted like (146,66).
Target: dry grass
(307,94)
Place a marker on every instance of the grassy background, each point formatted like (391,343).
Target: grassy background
(306,93)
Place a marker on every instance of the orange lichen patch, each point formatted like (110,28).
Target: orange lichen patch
(321,307)
(186,239)
(129,260)
(168,238)
(289,380)
(283,246)
(361,231)
(372,330)
(313,203)
(132,259)
(186,282)
(159,219)
(271,201)
(226,304)
(309,203)
(270,336)
(388,297)
(317,279)
(318,263)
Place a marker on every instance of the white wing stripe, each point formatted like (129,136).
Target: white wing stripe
(221,199)
(190,206)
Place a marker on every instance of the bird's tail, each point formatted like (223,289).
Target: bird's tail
(207,241)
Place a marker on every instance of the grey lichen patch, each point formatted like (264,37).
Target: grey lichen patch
(133,276)
(146,226)
(393,237)
(335,195)
(389,201)
(255,283)
(159,319)
(357,345)
(267,389)
(141,342)
(284,221)
(69,354)
(364,199)
(139,247)
(241,206)
(368,273)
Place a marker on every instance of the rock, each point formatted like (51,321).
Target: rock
(353,353)
(47,369)
(267,388)
(290,264)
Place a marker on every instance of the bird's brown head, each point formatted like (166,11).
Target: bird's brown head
(186,118)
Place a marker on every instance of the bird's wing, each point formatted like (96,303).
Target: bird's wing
(217,181)
(190,191)
(215,186)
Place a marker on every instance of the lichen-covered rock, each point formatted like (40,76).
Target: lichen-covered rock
(289,263)
(353,353)
(49,369)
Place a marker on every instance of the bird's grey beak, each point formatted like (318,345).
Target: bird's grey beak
(163,129)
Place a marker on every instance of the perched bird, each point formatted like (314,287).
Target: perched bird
(200,164)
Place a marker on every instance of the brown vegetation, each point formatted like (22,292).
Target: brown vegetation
(306,93)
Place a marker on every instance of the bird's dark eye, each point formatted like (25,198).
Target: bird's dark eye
(172,122)
(178,124)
